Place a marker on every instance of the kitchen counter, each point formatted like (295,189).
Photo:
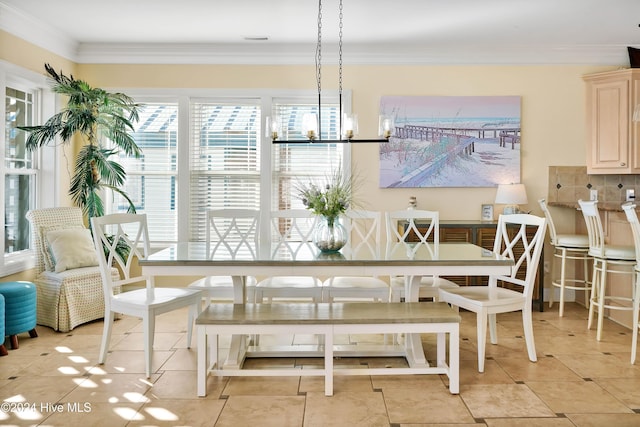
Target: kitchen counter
(603,206)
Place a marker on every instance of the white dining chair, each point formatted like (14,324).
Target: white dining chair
(632,217)
(292,231)
(406,231)
(607,259)
(567,247)
(230,234)
(121,240)
(363,228)
(487,301)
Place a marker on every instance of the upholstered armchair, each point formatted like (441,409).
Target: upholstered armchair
(68,281)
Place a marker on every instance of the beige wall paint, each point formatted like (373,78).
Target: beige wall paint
(26,55)
(552,113)
(553,105)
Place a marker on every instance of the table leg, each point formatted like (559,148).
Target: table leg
(238,346)
(414,351)
(239,289)
(413,343)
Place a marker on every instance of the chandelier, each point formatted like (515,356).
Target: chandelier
(311,123)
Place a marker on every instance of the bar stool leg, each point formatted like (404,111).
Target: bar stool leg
(563,272)
(587,296)
(595,284)
(636,312)
(553,286)
(601,295)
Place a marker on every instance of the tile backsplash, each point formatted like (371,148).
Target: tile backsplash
(571,183)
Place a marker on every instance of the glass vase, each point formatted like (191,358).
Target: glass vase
(329,235)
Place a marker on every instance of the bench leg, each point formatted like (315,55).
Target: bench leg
(328,364)
(203,358)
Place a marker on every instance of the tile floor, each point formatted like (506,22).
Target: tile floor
(577,381)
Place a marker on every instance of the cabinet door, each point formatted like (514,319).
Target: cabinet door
(455,234)
(608,126)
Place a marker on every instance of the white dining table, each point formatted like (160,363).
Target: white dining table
(444,259)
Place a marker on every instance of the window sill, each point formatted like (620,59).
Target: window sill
(15,265)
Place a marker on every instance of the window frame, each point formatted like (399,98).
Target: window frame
(266,99)
(47,179)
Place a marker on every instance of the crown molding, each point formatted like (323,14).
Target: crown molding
(264,53)
(37,32)
(363,54)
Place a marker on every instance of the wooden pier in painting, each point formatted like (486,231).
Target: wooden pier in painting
(435,133)
(448,142)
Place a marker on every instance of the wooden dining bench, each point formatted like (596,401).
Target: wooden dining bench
(328,319)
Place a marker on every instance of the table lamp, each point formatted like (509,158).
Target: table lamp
(511,195)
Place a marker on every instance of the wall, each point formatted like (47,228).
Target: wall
(553,109)
(552,113)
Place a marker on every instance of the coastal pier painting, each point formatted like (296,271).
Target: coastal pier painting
(451,141)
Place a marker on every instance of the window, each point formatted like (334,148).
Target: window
(292,162)
(19,170)
(151,178)
(26,184)
(208,152)
(224,159)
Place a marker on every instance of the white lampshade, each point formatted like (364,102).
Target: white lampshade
(511,195)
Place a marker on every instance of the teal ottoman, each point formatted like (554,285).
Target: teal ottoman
(3,349)
(19,310)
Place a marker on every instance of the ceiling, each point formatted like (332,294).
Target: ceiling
(375,31)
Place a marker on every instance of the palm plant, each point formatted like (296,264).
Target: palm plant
(92,113)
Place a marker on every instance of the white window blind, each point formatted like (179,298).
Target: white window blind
(300,163)
(224,159)
(203,152)
(293,163)
(151,179)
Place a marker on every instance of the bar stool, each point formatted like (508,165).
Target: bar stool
(630,211)
(607,259)
(567,247)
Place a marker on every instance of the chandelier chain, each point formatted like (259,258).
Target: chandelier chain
(340,51)
(319,51)
(314,132)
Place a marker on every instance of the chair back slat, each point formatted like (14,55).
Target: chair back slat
(594,226)
(364,230)
(630,211)
(119,235)
(550,224)
(520,237)
(292,232)
(232,233)
(409,238)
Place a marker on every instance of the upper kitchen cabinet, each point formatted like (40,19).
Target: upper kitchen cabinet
(613,144)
